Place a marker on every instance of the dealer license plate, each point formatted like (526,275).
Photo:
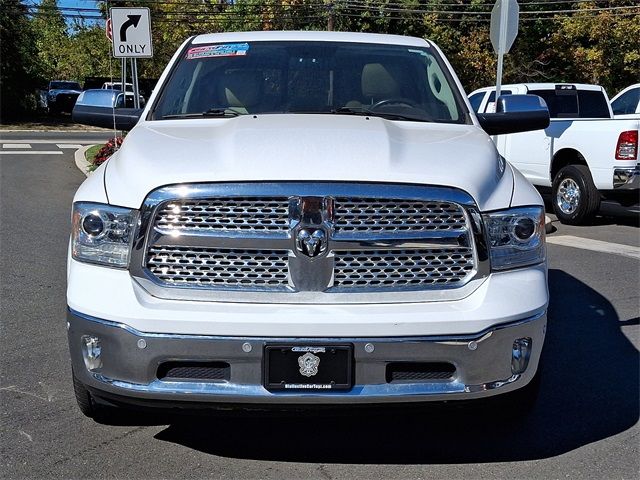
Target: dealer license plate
(308,367)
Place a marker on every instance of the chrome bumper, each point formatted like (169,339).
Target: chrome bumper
(626,178)
(130,359)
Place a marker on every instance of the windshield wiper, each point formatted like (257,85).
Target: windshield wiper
(212,112)
(372,113)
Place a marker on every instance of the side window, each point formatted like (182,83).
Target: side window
(476,100)
(627,102)
(492,96)
(592,104)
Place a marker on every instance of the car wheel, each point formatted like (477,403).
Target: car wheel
(88,406)
(516,405)
(575,198)
(83,398)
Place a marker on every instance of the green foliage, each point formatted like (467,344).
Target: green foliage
(19,68)
(601,47)
(52,40)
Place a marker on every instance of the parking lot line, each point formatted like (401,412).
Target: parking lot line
(33,152)
(68,145)
(16,145)
(595,245)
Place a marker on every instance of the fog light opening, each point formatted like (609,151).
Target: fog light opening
(91,351)
(520,354)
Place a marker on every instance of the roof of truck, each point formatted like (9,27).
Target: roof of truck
(310,37)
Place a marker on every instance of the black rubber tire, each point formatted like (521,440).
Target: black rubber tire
(589,201)
(83,397)
(514,406)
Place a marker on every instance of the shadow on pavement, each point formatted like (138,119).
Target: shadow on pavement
(589,392)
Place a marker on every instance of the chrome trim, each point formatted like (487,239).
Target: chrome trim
(311,278)
(461,339)
(479,372)
(626,178)
(387,392)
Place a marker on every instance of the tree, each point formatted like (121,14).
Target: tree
(19,72)
(52,39)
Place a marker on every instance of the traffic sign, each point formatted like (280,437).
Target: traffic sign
(131,32)
(108,31)
(504,29)
(504,24)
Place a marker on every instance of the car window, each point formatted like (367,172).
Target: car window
(312,77)
(560,106)
(492,95)
(592,104)
(627,102)
(65,86)
(476,100)
(572,103)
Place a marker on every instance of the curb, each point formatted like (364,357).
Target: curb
(81,162)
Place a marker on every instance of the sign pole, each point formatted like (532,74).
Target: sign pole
(504,29)
(124,76)
(136,93)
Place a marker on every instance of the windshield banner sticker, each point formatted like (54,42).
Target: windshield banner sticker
(209,51)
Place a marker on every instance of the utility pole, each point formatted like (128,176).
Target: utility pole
(331,19)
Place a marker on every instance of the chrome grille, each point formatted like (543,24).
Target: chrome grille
(219,267)
(375,215)
(366,269)
(225,214)
(254,242)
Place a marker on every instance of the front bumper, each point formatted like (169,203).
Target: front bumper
(130,361)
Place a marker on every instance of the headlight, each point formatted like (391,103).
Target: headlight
(102,234)
(516,237)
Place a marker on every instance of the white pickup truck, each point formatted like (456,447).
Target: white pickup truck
(626,104)
(584,155)
(307,218)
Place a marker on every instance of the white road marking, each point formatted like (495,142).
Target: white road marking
(16,145)
(33,152)
(54,140)
(68,145)
(595,245)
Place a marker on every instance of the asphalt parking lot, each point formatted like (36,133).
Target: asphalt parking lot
(585,424)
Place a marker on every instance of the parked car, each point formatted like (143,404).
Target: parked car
(61,96)
(583,156)
(100,105)
(626,104)
(306,218)
(117,86)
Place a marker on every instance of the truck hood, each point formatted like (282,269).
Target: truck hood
(303,147)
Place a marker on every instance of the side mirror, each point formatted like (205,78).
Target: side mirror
(516,113)
(99,108)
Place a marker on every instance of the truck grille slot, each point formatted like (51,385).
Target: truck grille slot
(373,215)
(402,268)
(408,372)
(219,267)
(194,371)
(225,214)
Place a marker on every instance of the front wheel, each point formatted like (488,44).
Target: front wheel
(91,409)
(575,198)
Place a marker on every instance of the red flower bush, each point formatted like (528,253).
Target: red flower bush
(107,150)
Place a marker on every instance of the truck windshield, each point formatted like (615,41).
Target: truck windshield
(392,81)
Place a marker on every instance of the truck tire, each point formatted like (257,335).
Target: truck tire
(575,198)
(83,397)
(517,405)
(100,413)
